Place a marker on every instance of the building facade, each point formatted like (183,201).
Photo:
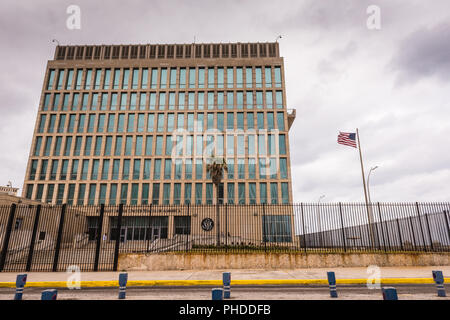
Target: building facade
(137,124)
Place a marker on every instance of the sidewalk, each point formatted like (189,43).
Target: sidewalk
(314,276)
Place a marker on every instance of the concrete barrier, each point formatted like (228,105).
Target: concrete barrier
(205,261)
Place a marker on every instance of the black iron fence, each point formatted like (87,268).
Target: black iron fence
(53,238)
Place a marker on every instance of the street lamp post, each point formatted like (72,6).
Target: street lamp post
(368,180)
(371,220)
(319,220)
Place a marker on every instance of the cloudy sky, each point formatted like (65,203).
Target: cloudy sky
(392,83)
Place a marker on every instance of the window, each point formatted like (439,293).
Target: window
(134,193)
(191,77)
(230,165)
(230,193)
(126,77)
(182,225)
(54,170)
(81,193)
(252,193)
(51,79)
(279,99)
(252,168)
(188,169)
(241,193)
(248,77)
(211,77)
(107,79)
(163,78)
(42,123)
(268,76)
(144,80)
(269,99)
(209,193)
(105,169)
(273,193)
(124,193)
(145,191)
(136,169)
(198,193)
(239,77)
(240,121)
(74,173)
(220,78)
(187,193)
(276,228)
(155,193)
(241,168)
(118,146)
(282,144)
(198,169)
(278,77)
(37,147)
(230,77)
(258,77)
(201,77)
(182,77)
(166,193)
(263,192)
(113,194)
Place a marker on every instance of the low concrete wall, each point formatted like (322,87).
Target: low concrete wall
(203,261)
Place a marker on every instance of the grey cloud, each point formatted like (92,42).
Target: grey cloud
(424,53)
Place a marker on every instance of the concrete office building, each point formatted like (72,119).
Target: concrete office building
(136,124)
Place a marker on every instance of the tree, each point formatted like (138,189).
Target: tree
(215,168)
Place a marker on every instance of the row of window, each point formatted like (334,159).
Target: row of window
(168,51)
(137,169)
(175,77)
(172,145)
(201,100)
(165,122)
(172,193)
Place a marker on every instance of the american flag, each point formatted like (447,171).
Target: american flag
(347,138)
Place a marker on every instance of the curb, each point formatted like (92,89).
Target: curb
(256,282)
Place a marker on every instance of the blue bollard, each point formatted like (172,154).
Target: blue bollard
(50,294)
(226,277)
(123,277)
(217,294)
(332,284)
(21,280)
(438,278)
(389,293)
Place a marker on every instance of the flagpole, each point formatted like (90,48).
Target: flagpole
(365,189)
(362,166)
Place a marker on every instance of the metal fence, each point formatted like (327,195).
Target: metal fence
(52,238)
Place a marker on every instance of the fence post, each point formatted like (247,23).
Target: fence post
(99,236)
(303,224)
(12,211)
(149,238)
(446,224)
(264,227)
(429,231)
(412,232)
(342,224)
(119,226)
(58,240)
(226,227)
(33,238)
(421,228)
(190,224)
(400,235)
(381,225)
